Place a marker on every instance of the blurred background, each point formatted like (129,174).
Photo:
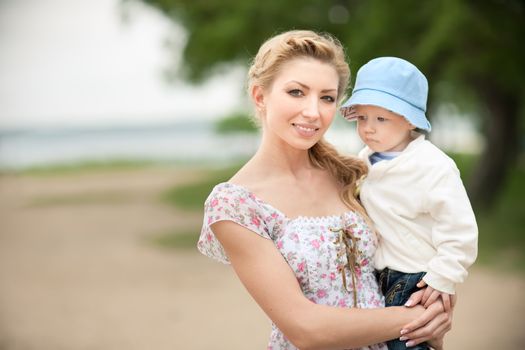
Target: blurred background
(117,117)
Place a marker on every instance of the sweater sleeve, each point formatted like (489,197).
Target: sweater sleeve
(454,234)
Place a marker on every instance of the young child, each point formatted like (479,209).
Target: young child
(413,192)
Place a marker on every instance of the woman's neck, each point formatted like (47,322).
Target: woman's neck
(283,160)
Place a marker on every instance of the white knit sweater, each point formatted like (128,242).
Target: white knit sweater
(422,213)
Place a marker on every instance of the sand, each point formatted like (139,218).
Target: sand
(78,270)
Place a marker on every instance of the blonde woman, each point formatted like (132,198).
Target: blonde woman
(299,243)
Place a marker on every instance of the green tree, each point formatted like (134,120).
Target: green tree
(473,48)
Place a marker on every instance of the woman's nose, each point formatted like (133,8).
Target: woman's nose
(311,109)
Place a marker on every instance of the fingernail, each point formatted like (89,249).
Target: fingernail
(408,303)
(404,331)
(410,343)
(403,338)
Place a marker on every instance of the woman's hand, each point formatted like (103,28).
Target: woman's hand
(430,326)
(436,344)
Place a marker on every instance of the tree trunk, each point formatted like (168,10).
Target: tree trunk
(501,148)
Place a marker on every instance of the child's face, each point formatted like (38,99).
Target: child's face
(381,129)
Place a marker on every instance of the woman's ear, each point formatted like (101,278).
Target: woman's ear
(257,95)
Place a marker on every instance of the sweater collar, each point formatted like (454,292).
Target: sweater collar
(367,151)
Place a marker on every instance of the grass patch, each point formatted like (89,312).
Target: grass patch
(177,239)
(82,167)
(193,195)
(190,197)
(81,199)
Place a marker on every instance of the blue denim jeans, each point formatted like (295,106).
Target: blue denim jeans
(397,287)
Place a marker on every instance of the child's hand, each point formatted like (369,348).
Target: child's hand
(430,295)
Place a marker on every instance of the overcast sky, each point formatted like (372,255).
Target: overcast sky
(76,62)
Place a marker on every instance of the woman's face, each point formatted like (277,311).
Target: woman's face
(301,103)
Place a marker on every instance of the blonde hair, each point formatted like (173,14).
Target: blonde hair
(294,44)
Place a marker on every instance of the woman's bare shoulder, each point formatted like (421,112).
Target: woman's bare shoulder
(252,177)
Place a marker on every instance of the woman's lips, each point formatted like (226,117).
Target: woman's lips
(305,129)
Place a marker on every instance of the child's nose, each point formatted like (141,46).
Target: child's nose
(369,128)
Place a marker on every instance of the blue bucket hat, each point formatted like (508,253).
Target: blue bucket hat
(394,84)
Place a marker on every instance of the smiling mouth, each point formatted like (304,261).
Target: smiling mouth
(305,128)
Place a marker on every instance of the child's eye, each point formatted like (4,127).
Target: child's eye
(328,98)
(295,92)
(361,117)
(381,119)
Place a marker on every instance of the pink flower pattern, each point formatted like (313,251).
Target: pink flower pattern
(306,243)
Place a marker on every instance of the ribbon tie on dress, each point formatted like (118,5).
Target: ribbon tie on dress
(347,242)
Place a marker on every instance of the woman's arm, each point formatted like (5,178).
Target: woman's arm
(273,285)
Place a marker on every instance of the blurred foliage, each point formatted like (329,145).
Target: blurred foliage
(472,52)
(502,241)
(237,122)
(457,38)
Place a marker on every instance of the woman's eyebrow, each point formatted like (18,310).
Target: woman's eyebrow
(307,87)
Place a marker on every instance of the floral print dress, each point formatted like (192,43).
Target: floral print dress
(315,248)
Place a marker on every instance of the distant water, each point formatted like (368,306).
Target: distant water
(187,142)
(182,142)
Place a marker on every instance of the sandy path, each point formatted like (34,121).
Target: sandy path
(84,275)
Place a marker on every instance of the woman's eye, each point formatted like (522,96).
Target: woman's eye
(328,98)
(361,117)
(295,92)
